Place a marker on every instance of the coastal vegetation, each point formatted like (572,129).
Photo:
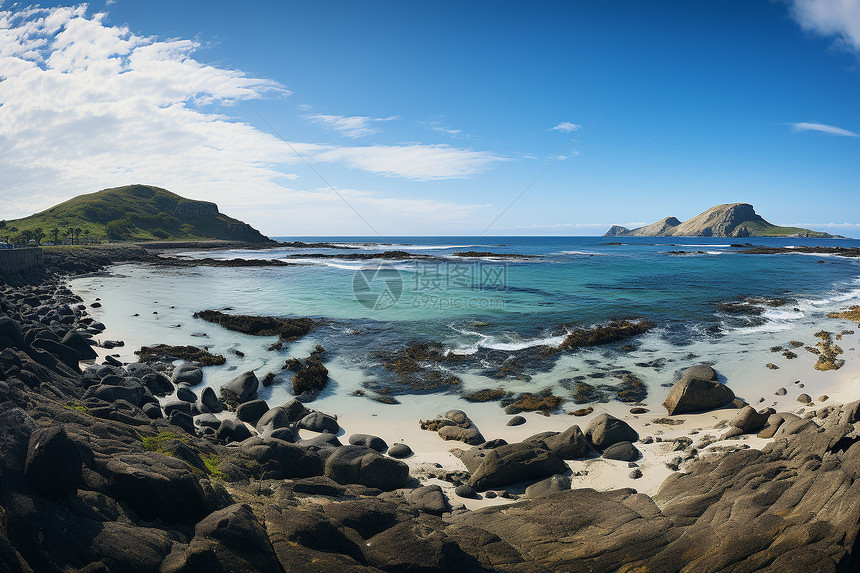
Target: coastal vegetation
(133,212)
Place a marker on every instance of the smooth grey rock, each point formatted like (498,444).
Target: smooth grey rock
(604,430)
(187,374)
(623,451)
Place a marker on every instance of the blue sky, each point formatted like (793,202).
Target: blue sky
(431,118)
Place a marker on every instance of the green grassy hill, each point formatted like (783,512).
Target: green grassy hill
(134,212)
(758,229)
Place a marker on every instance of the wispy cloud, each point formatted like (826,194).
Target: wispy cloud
(85,105)
(823,128)
(826,225)
(350,125)
(416,161)
(839,18)
(566,127)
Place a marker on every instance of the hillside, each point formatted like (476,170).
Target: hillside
(134,212)
(731,220)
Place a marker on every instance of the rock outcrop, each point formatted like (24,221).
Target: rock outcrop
(730,220)
(196,209)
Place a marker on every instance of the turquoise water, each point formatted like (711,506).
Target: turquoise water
(492,309)
(570,281)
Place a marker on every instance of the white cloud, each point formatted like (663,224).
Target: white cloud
(350,125)
(826,225)
(416,161)
(567,127)
(823,128)
(839,18)
(85,106)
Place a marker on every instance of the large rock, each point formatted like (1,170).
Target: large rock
(80,345)
(470,435)
(604,430)
(240,389)
(356,464)
(252,411)
(319,422)
(696,395)
(514,463)
(187,373)
(568,445)
(749,421)
(210,401)
(428,499)
(156,486)
(549,486)
(623,451)
(232,431)
(274,419)
(131,393)
(368,441)
(53,461)
(230,539)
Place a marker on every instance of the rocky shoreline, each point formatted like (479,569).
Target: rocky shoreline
(93,457)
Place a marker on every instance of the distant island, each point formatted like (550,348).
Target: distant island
(133,213)
(730,220)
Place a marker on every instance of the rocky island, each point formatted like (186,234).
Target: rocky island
(730,220)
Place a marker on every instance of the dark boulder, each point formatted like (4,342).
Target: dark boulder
(368,441)
(548,486)
(749,421)
(470,435)
(274,419)
(399,450)
(231,539)
(156,486)
(80,345)
(605,430)
(232,431)
(182,420)
(252,411)
(319,422)
(177,405)
(356,464)
(210,401)
(513,463)
(187,374)
(185,393)
(568,445)
(295,410)
(623,451)
(152,410)
(66,355)
(697,391)
(53,462)
(428,499)
(157,383)
(131,393)
(240,389)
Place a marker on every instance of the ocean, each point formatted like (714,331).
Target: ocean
(495,313)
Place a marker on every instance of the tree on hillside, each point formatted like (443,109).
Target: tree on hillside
(87,235)
(26,235)
(38,235)
(55,235)
(77,234)
(69,233)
